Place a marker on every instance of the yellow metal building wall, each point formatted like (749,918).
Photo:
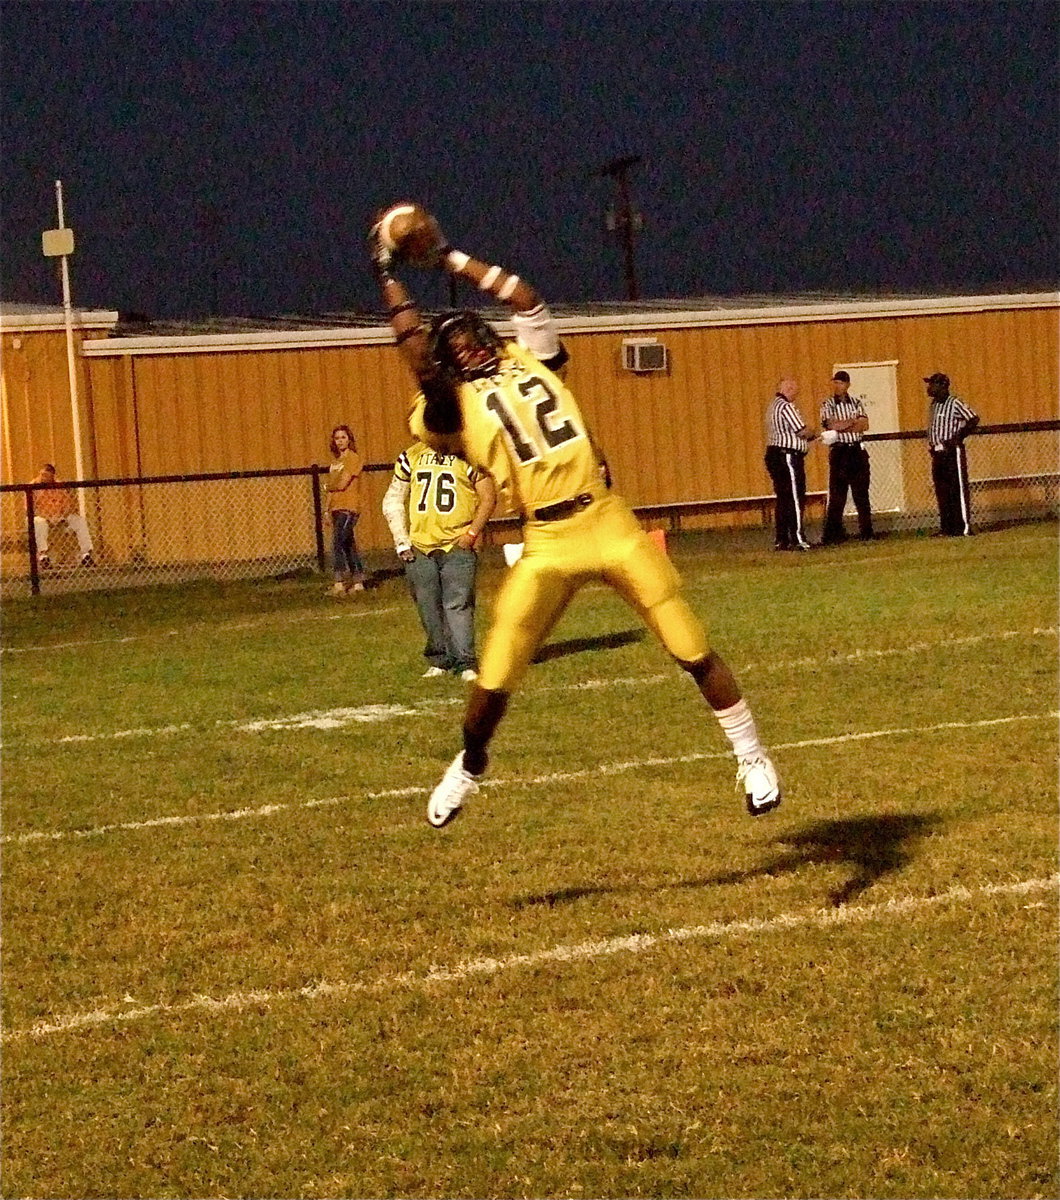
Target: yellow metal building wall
(692,433)
(696,432)
(37,423)
(246,411)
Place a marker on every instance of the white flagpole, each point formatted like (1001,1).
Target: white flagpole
(71,362)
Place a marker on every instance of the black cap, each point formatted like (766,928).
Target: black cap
(938,377)
(842,376)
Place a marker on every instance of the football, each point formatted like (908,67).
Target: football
(410,231)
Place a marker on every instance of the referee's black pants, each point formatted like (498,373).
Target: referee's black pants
(949,474)
(848,471)
(787,470)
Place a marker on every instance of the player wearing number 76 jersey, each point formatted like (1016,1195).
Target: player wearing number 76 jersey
(503,406)
(437,506)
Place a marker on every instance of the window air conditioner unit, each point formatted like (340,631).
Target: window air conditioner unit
(644,354)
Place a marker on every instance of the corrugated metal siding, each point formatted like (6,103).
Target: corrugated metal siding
(696,432)
(37,418)
(271,409)
(37,424)
(692,433)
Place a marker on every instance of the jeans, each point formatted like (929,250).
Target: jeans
(345,557)
(443,586)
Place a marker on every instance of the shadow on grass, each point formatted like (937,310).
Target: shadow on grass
(606,641)
(873,846)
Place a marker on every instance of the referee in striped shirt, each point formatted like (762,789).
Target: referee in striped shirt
(787,439)
(848,461)
(950,421)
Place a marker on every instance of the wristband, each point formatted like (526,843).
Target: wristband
(408,306)
(490,278)
(405,334)
(509,286)
(457,260)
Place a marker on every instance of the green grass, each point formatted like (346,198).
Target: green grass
(291,986)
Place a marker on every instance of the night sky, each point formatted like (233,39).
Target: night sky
(223,158)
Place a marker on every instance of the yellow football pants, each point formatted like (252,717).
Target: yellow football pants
(602,543)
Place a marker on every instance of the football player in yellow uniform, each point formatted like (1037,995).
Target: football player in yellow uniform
(436,507)
(503,406)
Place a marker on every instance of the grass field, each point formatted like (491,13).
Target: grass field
(239,963)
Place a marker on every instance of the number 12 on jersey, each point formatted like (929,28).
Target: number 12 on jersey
(551,430)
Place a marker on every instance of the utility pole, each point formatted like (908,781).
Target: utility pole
(624,220)
(59,243)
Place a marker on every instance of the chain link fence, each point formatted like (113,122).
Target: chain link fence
(260,524)
(1013,473)
(168,529)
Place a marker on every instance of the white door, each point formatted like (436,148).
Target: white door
(876,386)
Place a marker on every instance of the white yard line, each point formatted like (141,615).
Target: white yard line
(339,718)
(889,910)
(598,769)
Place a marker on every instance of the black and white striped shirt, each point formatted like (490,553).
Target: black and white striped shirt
(843,408)
(947,418)
(783,421)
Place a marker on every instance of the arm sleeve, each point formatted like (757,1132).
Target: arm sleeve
(535,330)
(395,510)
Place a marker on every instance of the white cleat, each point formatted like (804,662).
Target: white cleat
(434,673)
(470,675)
(760,784)
(448,797)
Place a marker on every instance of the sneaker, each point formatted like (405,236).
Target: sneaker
(338,589)
(434,673)
(760,784)
(448,797)
(357,587)
(469,676)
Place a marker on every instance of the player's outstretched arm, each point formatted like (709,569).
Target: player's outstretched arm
(535,328)
(512,290)
(403,313)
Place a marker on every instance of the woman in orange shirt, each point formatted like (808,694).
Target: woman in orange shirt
(344,505)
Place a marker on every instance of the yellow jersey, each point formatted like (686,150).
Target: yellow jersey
(523,427)
(442,496)
(344,482)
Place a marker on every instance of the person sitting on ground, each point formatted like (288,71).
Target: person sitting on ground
(56,505)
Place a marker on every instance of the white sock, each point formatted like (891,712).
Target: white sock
(740,729)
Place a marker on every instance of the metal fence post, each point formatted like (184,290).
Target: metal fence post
(318,519)
(34,571)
